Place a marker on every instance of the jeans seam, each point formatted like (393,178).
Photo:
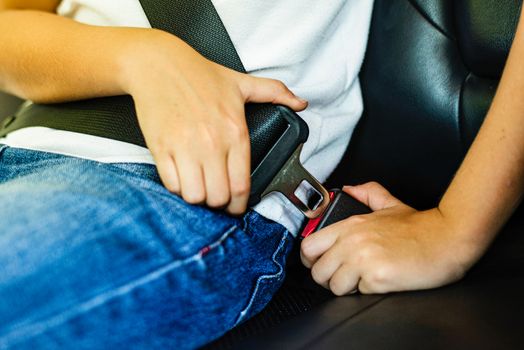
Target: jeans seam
(279,273)
(2,148)
(32,330)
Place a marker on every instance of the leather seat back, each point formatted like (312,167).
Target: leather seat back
(430,73)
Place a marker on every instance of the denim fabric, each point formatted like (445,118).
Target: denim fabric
(102,256)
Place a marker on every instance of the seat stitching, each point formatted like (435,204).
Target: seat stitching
(430,20)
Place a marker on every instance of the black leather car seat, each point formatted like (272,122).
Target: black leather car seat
(430,73)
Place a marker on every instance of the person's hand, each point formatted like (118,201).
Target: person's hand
(395,248)
(191,112)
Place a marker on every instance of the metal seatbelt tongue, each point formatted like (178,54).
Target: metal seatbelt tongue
(290,178)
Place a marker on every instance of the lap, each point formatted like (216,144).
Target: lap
(99,251)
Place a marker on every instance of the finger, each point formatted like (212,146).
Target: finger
(168,173)
(269,90)
(239,171)
(345,280)
(313,246)
(373,195)
(216,181)
(324,268)
(191,179)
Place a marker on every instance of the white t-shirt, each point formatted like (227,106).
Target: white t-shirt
(315,47)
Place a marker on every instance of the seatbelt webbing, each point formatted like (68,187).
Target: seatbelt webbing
(276,133)
(194,21)
(197,23)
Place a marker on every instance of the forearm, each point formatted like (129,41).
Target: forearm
(47,58)
(490,183)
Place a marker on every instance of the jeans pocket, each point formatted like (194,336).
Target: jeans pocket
(267,284)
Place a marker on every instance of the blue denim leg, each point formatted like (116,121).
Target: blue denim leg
(102,256)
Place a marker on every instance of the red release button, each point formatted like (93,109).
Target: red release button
(313,223)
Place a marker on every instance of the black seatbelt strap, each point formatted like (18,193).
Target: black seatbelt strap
(194,21)
(197,23)
(276,133)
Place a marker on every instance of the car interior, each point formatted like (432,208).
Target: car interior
(430,72)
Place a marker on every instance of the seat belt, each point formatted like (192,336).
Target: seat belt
(276,132)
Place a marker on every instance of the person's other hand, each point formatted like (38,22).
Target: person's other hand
(191,112)
(395,248)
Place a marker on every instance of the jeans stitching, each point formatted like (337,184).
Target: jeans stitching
(280,271)
(34,329)
(2,148)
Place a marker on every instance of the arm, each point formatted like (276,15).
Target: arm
(40,5)
(47,58)
(200,146)
(398,248)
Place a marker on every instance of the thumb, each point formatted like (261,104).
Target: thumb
(262,90)
(373,195)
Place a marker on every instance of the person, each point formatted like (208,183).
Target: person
(97,253)
(106,244)
(397,248)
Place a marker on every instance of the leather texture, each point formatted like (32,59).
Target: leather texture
(424,102)
(429,76)
(430,73)
(484,40)
(483,311)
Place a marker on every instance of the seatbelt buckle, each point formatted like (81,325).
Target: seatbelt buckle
(320,206)
(301,188)
(341,206)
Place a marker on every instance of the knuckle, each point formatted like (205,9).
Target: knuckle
(159,146)
(279,85)
(218,199)
(235,210)
(172,187)
(353,225)
(306,249)
(365,254)
(356,219)
(305,261)
(337,287)
(242,135)
(240,188)
(194,197)
(379,276)
(353,240)
(374,185)
(236,129)
(350,241)
(317,274)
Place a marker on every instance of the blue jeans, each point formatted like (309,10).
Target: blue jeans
(102,256)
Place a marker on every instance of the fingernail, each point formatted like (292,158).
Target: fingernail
(302,100)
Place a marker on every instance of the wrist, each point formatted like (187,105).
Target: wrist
(147,58)
(132,57)
(467,240)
